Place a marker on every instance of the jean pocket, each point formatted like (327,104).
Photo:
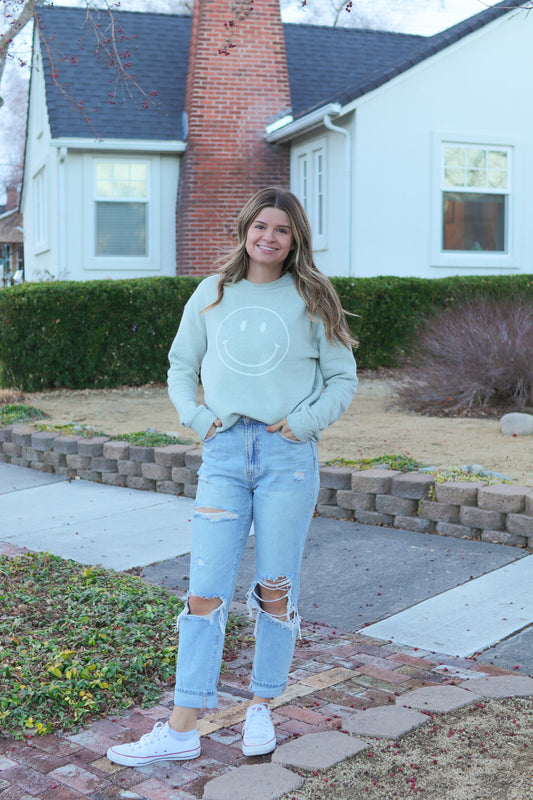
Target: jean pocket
(286,438)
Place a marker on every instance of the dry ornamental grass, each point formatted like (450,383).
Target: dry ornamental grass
(482,752)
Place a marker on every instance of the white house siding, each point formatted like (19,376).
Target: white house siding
(79,248)
(70,255)
(39,256)
(65,249)
(477,90)
(332,250)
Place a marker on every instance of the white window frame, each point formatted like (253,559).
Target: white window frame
(150,261)
(40,211)
(310,167)
(470,259)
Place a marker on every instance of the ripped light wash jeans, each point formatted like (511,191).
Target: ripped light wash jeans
(247,475)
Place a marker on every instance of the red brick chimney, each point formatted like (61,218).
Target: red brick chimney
(229,101)
(12,197)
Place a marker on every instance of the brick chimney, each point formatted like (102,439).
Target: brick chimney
(229,101)
(12,197)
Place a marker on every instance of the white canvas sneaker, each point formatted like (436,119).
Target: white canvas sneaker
(258,735)
(158,745)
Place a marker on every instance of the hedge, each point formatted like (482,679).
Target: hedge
(91,334)
(391,310)
(107,333)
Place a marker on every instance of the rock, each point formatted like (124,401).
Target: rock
(517,424)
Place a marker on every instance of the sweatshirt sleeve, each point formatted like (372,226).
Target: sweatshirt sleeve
(185,357)
(339,372)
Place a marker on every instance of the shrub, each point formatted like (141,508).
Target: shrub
(391,310)
(79,642)
(105,333)
(473,360)
(90,334)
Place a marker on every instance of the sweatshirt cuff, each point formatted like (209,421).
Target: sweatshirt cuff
(202,421)
(303,432)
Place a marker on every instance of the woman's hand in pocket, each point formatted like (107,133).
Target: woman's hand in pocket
(283,427)
(212,430)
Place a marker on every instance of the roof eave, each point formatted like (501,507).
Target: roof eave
(349,97)
(123,145)
(304,124)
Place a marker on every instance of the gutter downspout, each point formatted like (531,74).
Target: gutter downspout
(62,213)
(348,188)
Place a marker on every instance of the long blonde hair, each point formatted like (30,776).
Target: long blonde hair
(313,286)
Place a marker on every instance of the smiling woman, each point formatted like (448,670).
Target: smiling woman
(270,340)
(268,243)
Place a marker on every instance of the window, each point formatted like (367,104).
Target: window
(39,210)
(318,215)
(123,214)
(476,202)
(311,188)
(121,208)
(474,198)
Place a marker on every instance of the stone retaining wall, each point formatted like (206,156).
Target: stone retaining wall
(501,514)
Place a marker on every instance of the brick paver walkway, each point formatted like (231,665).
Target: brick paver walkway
(334,673)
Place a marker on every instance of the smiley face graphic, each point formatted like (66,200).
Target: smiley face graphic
(252,340)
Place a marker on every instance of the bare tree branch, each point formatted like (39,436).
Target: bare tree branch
(241,9)
(26,13)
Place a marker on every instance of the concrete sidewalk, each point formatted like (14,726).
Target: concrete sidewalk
(384,576)
(355,578)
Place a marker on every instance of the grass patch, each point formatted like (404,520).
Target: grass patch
(142,438)
(78,643)
(14,412)
(462,474)
(72,429)
(149,439)
(398,462)
(408,464)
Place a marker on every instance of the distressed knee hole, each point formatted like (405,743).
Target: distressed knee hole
(273,597)
(210,610)
(203,606)
(215,514)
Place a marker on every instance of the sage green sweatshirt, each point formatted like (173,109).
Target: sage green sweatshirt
(259,356)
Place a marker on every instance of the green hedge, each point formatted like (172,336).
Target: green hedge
(391,310)
(89,334)
(104,333)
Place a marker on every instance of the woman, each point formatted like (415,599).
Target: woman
(270,339)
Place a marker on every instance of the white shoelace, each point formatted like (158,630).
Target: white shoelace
(258,724)
(154,735)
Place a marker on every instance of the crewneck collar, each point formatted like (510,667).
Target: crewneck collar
(285,280)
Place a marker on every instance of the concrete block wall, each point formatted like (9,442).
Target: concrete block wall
(501,513)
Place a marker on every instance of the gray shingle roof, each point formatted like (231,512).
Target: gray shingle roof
(323,60)
(156,46)
(325,65)
(397,56)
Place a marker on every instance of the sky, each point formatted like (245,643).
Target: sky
(431,16)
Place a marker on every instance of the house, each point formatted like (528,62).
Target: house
(410,153)
(11,248)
